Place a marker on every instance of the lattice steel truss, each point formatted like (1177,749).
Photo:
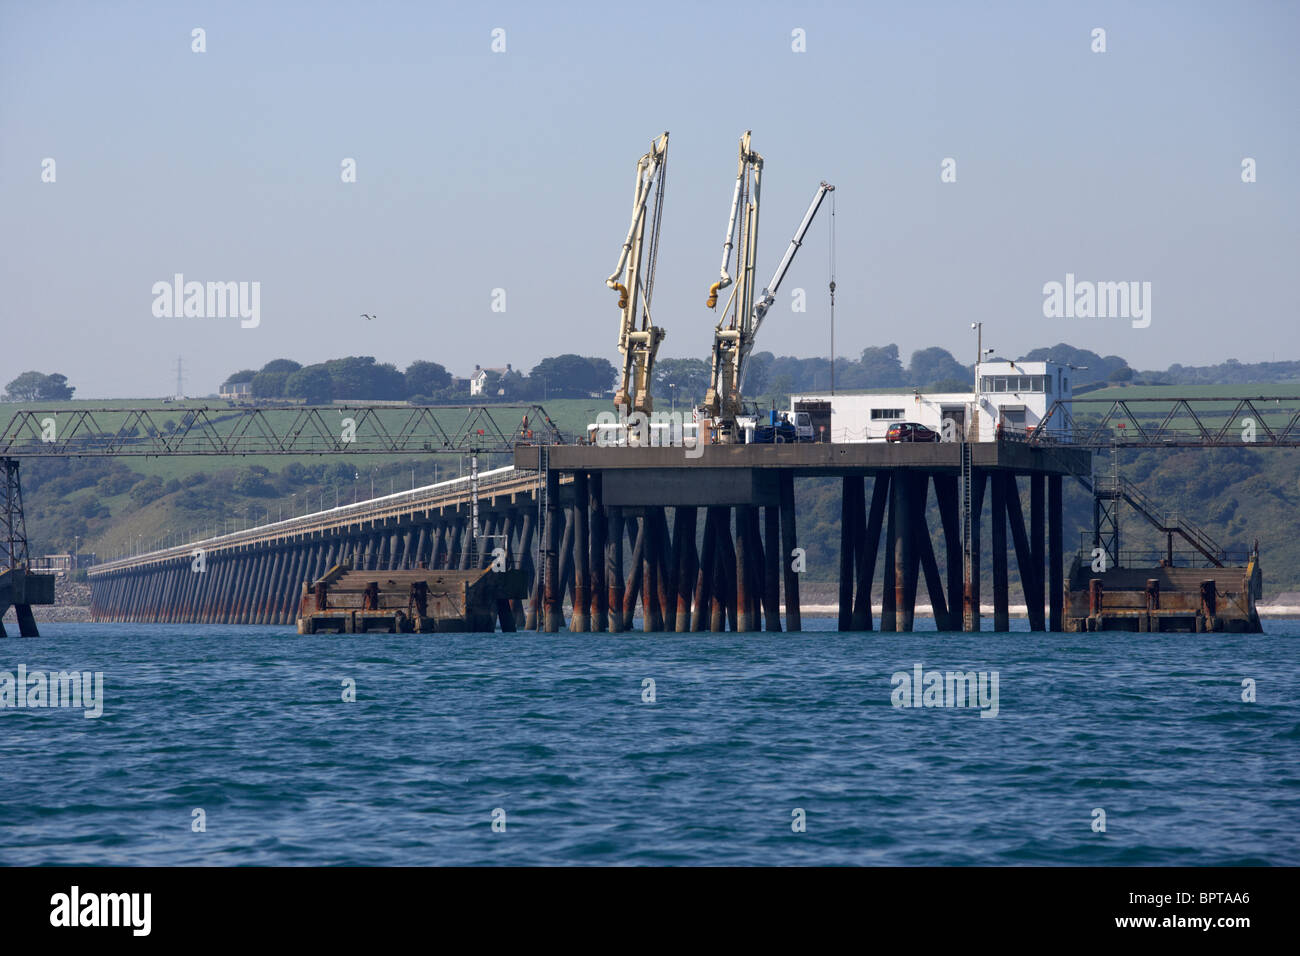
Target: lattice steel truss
(1229,421)
(13,527)
(274,430)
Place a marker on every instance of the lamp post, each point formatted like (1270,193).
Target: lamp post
(980,352)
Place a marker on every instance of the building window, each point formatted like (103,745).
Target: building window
(886,414)
(1015,383)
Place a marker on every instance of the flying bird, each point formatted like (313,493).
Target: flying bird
(366,316)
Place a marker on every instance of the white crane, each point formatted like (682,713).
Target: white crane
(733,338)
(722,398)
(768,295)
(748,173)
(639,337)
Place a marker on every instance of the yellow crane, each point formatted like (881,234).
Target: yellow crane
(733,337)
(722,398)
(639,337)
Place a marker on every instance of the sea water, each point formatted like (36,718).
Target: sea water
(223,745)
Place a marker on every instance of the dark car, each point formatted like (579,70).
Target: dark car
(910,432)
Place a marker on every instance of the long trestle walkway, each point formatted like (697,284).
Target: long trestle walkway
(690,543)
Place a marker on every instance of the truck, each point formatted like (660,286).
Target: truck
(776,427)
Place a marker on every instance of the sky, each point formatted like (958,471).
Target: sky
(479,171)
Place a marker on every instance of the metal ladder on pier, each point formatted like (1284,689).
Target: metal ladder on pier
(967,533)
(543,471)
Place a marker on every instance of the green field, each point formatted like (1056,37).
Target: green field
(1291,390)
(1150,405)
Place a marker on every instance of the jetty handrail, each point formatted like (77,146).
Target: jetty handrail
(487,480)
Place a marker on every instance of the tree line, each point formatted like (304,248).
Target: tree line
(36,387)
(364,379)
(879,366)
(680,380)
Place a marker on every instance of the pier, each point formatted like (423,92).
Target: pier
(608,538)
(683,544)
(730,557)
(1160,599)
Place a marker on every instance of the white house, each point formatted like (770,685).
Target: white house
(1014,395)
(478,381)
(237,391)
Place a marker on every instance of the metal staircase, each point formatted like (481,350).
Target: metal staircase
(1109,490)
(1114,488)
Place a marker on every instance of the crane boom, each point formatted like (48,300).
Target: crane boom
(734,335)
(638,338)
(721,400)
(774,284)
(749,160)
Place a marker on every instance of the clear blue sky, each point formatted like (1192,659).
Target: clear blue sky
(479,171)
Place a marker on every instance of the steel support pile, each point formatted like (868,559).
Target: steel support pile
(599,567)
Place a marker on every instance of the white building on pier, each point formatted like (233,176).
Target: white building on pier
(1014,396)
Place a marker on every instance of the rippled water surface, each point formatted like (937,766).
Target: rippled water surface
(249,725)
